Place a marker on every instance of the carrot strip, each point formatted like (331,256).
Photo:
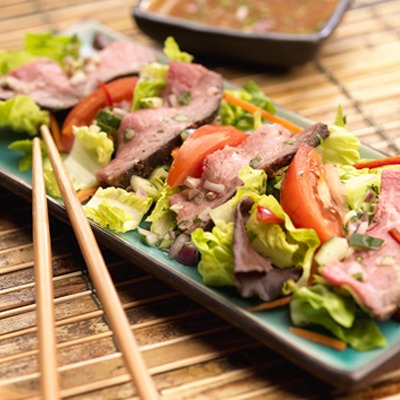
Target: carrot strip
(55,129)
(319,338)
(271,304)
(85,194)
(251,108)
(381,162)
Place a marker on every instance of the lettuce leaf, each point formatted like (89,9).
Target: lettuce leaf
(162,218)
(152,80)
(216,264)
(229,114)
(341,146)
(323,306)
(145,93)
(53,47)
(91,151)
(22,114)
(117,209)
(357,183)
(285,245)
(25,147)
(10,60)
(174,53)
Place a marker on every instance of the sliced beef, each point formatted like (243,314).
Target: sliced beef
(270,148)
(254,274)
(119,58)
(146,137)
(44,81)
(374,275)
(51,87)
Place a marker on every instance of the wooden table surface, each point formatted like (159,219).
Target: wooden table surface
(190,352)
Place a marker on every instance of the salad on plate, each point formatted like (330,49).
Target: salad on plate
(215,178)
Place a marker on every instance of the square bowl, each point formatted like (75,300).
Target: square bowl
(267,48)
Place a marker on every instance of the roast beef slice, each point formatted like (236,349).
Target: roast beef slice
(155,132)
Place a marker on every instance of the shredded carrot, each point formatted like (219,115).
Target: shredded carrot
(55,130)
(319,338)
(84,194)
(174,152)
(251,108)
(271,304)
(381,162)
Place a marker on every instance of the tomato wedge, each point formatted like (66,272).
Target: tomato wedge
(306,198)
(85,111)
(189,158)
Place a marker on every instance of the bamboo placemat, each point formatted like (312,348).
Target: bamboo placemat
(191,353)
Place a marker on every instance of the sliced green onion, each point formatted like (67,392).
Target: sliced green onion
(108,122)
(365,241)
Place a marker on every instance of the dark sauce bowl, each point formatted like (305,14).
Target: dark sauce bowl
(273,49)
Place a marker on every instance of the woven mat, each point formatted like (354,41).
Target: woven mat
(191,353)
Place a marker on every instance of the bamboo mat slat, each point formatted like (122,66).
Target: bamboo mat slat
(191,353)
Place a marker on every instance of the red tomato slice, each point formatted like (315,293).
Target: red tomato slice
(86,110)
(188,160)
(305,195)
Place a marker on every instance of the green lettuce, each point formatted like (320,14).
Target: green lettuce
(22,114)
(216,264)
(341,146)
(174,53)
(53,47)
(117,209)
(91,151)
(10,60)
(229,114)
(285,245)
(152,80)
(147,92)
(25,147)
(357,183)
(323,306)
(162,218)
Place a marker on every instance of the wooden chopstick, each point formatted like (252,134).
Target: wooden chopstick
(100,275)
(49,377)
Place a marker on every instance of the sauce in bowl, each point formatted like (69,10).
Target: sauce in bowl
(253,16)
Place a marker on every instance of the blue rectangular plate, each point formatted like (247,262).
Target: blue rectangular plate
(348,369)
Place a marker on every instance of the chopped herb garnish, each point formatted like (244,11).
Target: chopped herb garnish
(180,118)
(129,134)
(108,122)
(255,162)
(185,99)
(365,241)
(359,276)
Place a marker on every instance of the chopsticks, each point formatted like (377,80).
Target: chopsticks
(100,275)
(49,377)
